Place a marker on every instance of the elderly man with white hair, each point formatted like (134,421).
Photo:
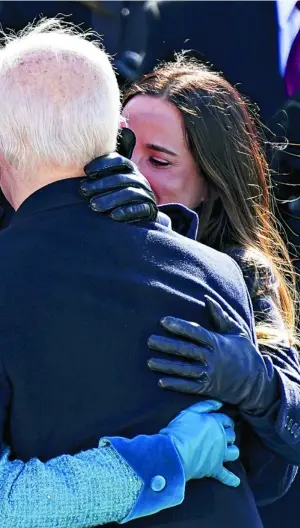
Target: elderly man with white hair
(79,294)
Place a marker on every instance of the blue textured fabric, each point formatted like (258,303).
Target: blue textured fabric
(91,488)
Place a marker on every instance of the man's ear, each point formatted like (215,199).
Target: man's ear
(123,122)
(3,168)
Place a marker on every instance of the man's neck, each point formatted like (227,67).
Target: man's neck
(18,187)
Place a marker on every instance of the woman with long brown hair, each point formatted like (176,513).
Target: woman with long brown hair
(234,204)
(197,144)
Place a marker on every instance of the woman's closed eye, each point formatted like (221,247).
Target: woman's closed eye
(159,162)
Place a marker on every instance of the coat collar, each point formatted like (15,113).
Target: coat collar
(52,196)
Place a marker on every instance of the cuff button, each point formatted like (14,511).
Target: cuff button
(297,433)
(294,428)
(158,483)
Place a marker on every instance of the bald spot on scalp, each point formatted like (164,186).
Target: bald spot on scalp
(55,79)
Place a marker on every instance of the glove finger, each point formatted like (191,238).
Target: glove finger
(228,478)
(230,435)
(108,164)
(187,329)
(133,213)
(204,407)
(184,386)
(224,420)
(177,368)
(119,198)
(102,185)
(223,323)
(232,454)
(176,347)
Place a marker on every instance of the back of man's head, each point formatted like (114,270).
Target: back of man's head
(59,99)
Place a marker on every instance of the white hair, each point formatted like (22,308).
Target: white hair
(59,98)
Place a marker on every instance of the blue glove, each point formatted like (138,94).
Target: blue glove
(204,441)
(226,366)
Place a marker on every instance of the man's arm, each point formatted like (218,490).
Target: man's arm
(269,475)
(91,488)
(279,426)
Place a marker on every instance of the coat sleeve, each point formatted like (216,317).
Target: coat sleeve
(109,484)
(269,475)
(273,440)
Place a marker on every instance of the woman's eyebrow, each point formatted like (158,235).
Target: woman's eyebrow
(160,149)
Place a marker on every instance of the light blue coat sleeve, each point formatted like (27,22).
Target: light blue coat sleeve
(91,488)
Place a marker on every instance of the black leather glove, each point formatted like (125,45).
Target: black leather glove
(226,366)
(126,142)
(115,186)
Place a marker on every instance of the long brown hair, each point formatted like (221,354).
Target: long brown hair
(222,136)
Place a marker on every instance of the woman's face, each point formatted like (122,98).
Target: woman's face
(161,152)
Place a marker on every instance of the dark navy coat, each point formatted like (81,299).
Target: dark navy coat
(79,295)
